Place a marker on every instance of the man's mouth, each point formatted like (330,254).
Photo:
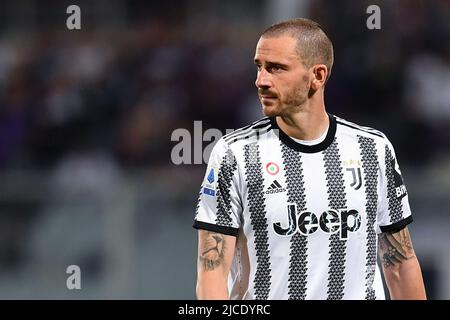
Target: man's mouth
(263,96)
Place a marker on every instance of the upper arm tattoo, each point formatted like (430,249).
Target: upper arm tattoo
(212,248)
(395,247)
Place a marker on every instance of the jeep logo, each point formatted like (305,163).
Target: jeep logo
(330,221)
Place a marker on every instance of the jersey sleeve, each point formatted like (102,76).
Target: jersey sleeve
(394,212)
(219,206)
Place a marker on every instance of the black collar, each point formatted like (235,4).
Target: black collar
(303,147)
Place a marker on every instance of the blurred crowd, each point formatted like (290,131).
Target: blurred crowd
(119,91)
(396,79)
(123,91)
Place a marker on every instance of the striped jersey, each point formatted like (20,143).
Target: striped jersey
(306,217)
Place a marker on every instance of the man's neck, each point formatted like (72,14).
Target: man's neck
(305,124)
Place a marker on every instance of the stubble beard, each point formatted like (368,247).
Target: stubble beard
(293,103)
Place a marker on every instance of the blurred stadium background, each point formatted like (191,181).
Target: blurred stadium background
(86,118)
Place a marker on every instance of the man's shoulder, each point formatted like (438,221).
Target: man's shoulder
(247,134)
(356,130)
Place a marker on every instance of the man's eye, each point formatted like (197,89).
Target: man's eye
(275,68)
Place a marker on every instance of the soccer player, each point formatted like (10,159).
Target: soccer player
(298,204)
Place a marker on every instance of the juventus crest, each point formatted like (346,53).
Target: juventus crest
(356,174)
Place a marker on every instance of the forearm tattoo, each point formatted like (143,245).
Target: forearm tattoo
(212,250)
(395,247)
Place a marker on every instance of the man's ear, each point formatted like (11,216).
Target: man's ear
(320,74)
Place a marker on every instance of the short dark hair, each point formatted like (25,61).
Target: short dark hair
(313,45)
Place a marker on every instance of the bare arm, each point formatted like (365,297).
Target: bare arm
(215,254)
(400,266)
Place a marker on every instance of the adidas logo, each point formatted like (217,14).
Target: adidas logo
(275,187)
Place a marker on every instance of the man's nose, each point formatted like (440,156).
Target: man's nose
(263,79)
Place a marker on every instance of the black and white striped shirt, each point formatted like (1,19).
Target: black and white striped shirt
(306,217)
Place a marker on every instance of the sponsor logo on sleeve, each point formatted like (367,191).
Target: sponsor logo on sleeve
(400,188)
(210,187)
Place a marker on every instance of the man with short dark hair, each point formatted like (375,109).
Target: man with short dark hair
(297,204)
